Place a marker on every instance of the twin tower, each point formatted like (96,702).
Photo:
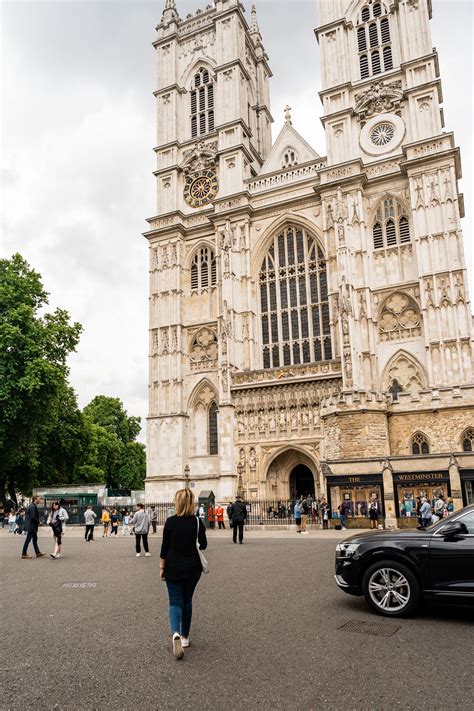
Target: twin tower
(310,324)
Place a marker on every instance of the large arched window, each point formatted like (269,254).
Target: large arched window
(203,269)
(213,434)
(373,40)
(202,104)
(419,444)
(468,440)
(294,301)
(391,226)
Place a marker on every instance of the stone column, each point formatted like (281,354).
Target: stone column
(455,482)
(389,495)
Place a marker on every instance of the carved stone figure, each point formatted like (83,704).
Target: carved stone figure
(379,97)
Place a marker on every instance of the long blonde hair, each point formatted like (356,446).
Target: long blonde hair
(184,502)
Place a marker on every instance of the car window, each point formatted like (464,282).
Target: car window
(468,521)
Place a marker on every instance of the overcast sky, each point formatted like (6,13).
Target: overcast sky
(77,132)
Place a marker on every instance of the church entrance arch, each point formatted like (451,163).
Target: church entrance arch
(291,473)
(301,481)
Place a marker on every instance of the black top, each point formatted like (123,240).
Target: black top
(178,549)
(32,519)
(238,512)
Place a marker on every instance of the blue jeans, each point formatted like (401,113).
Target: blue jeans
(180,593)
(342,518)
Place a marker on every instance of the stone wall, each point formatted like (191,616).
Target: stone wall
(356,434)
(443,428)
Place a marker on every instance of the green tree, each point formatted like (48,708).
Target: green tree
(34,347)
(114,449)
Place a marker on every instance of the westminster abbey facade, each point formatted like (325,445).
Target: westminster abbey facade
(310,322)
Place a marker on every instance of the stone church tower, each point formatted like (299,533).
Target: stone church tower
(310,324)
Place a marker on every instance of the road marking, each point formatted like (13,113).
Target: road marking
(79,585)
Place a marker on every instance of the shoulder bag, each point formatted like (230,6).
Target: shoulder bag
(204,563)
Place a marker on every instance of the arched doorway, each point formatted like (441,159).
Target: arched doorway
(301,481)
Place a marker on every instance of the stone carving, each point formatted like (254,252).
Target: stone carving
(164,341)
(201,157)
(460,295)
(444,289)
(341,207)
(407,372)
(203,351)
(448,188)
(252,458)
(399,318)
(322,370)
(434,192)
(379,97)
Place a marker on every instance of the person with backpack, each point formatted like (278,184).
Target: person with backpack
(57,520)
(297,514)
(304,509)
(114,522)
(238,514)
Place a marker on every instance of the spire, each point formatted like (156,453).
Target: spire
(254,24)
(170,13)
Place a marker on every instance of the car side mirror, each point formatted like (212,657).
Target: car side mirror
(456,528)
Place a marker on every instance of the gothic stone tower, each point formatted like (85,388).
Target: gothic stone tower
(310,325)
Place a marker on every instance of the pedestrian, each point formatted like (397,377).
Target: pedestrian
(450,506)
(181,566)
(31,528)
(297,513)
(125,521)
(229,514)
(141,523)
(201,513)
(20,520)
(315,512)
(238,514)
(220,516)
(343,515)
(153,518)
(373,514)
(114,522)
(105,518)
(11,522)
(210,516)
(57,521)
(439,507)
(325,514)
(89,518)
(425,513)
(304,508)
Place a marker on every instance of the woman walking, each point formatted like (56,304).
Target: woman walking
(374,514)
(141,523)
(180,565)
(114,522)
(56,521)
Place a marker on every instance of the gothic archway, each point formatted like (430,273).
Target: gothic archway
(291,472)
(301,482)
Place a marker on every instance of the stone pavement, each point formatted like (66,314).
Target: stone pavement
(266,634)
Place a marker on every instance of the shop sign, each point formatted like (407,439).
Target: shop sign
(426,478)
(365,480)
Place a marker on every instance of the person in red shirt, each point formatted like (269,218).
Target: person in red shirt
(210,516)
(219,511)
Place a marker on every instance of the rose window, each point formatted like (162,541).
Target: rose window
(382,134)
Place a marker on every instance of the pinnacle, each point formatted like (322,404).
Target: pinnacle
(254,24)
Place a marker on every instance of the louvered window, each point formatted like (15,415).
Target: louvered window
(203,268)
(364,66)
(202,104)
(213,433)
(373,31)
(294,301)
(391,226)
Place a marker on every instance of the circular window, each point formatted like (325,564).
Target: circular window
(382,134)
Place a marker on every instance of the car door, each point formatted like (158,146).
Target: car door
(451,560)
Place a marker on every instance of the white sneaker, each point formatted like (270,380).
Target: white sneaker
(185,641)
(137,555)
(147,555)
(177,646)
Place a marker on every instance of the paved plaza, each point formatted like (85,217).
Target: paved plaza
(266,633)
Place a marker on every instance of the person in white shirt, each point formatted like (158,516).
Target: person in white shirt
(89,518)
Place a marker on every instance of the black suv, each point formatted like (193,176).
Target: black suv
(394,570)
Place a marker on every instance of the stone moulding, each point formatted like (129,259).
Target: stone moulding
(311,371)
(283,178)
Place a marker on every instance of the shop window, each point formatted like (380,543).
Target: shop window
(356,499)
(467,440)
(419,444)
(409,494)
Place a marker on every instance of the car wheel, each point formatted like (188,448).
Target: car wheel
(391,588)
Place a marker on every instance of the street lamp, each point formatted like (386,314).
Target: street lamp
(186,476)
(240,486)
